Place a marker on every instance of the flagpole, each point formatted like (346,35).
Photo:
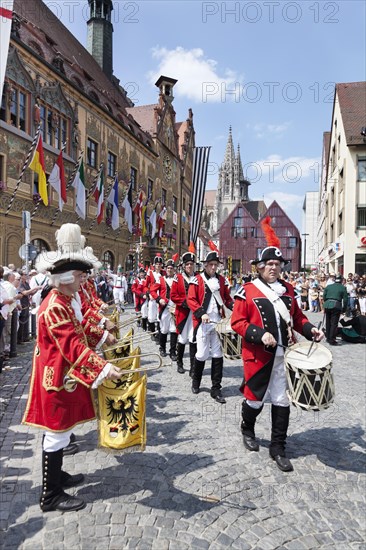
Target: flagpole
(110,187)
(91,189)
(69,183)
(106,194)
(25,166)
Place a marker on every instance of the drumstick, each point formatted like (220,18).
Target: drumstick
(313,342)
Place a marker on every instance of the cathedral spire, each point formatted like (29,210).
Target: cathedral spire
(229,153)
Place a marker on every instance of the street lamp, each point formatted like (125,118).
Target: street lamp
(304,235)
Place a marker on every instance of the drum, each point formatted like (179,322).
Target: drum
(309,377)
(230,340)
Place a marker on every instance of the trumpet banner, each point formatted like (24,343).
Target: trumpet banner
(122,349)
(122,409)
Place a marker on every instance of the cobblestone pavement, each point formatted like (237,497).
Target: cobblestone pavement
(196,486)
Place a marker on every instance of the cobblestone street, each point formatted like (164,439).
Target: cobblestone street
(196,486)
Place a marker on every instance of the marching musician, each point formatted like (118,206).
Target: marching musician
(61,349)
(153,278)
(140,296)
(264,313)
(207,294)
(183,315)
(161,292)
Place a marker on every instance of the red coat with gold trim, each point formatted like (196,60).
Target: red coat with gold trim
(61,349)
(199,296)
(253,315)
(92,291)
(178,295)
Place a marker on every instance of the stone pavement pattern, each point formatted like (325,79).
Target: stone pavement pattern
(196,486)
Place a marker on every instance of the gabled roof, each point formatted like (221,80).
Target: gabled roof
(255,208)
(145,116)
(352,103)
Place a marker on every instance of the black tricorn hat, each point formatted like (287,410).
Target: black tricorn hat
(69,264)
(188,257)
(158,260)
(270,253)
(170,263)
(212,257)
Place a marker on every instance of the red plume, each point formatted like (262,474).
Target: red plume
(269,233)
(175,257)
(192,248)
(158,254)
(213,247)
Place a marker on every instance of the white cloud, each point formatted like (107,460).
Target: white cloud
(263,130)
(197,75)
(275,169)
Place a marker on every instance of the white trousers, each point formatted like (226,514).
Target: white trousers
(276,393)
(187,333)
(167,323)
(144,310)
(208,342)
(152,312)
(119,295)
(53,441)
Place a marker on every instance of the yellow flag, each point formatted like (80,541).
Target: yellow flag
(38,166)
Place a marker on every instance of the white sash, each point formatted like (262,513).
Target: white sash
(273,297)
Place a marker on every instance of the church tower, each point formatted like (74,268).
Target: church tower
(232,186)
(100,30)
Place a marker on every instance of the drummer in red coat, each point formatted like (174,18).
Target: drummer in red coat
(265,312)
(183,315)
(61,351)
(207,294)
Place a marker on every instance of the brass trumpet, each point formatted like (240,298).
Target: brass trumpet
(70,383)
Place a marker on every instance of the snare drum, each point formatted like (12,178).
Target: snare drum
(309,377)
(230,341)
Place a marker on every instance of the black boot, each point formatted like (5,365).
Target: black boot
(53,497)
(144,324)
(197,375)
(180,355)
(192,355)
(280,422)
(249,415)
(151,328)
(173,346)
(217,364)
(162,344)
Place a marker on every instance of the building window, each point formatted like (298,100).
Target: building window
(150,189)
(253,232)
(133,178)
(361,216)
(40,245)
(2,170)
(18,110)
(175,204)
(112,164)
(55,127)
(340,223)
(292,242)
(361,168)
(108,259)
(92,152)
(163,196)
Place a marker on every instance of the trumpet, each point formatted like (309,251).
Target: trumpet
(137,339)
(70,384)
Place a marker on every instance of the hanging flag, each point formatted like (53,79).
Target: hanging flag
(113,200)
(213,247)
(80,195)
(99,195)
(138,208)
(38,166)
(127,205)
(200,164)
(6,14)
(152,221)
(161,220)
(57,181)
(144,219)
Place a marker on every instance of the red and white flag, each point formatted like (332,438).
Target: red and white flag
(57,181)
(137,209)
(161,220)
(6,14)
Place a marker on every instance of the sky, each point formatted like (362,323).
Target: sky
(266,68)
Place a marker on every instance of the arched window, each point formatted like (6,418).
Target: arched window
(108,259)
(40,245)
(129,262)
(78,82)
(94,96)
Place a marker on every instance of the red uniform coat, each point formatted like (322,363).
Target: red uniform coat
(199,296)
(91,317)
(160,291)
(178,295)
(61,349)
(138,289)
(253,315)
